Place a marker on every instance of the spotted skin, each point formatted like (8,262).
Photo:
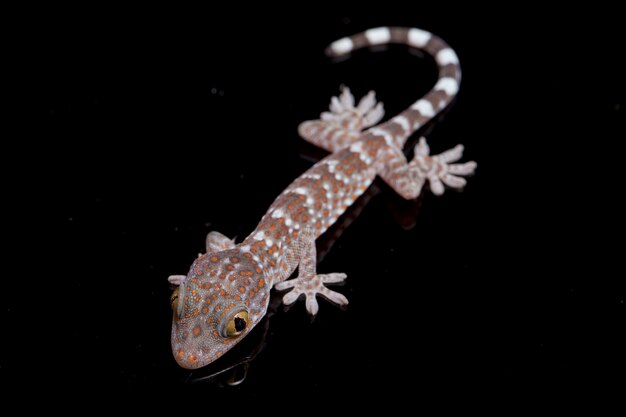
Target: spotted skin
(233,278)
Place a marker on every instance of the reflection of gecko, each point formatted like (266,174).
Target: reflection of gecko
(226,291)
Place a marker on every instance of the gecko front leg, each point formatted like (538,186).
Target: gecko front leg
(309,282)
(215,242)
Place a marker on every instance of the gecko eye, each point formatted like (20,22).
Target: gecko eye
(174,299)
(236,324)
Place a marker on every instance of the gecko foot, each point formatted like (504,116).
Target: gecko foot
(342,125)
(438,169)
(310,287)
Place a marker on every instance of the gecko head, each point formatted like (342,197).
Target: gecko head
(223,297)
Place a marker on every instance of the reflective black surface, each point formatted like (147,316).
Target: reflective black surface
(145,131)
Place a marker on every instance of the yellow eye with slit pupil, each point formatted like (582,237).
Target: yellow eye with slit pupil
(174,299)
(237,324)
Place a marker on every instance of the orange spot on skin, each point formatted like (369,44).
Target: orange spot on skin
(215,333)
(273,262)
(222,292)
(258,270)
(214,259)
(195,312)
(234,259)
(230,267)
(318,224)
(237,297)
(261,282)
(280,220)
(222,275)
(247,255)
(197,331)
(247,303)
(187,315)
(192,358)
(246,281)
(295,234)
(242,289)
(217,308)
(245,273)
(232,277)
(251,293)
(205,310)
(179,354)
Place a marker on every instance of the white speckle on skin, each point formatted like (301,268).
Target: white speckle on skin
(424,107)
(312,175)
(447,84)
(277,213)
(310,201)
(403,122)
(418,38)
(377,36)
(382,132)
(446,56)
(259,235)
(331,164)
(288,222)
(269,242)
(342,46)
(356,147)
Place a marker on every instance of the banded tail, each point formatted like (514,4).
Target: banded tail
(428,106)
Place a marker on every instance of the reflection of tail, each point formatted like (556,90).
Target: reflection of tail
(424,109)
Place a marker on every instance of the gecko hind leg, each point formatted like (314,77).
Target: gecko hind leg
(408,179)
(309,282)
(342,125)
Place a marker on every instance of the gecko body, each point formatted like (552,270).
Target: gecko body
(226,291)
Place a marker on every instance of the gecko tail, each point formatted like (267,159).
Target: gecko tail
(438,98)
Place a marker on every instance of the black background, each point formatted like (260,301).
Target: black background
(139,131)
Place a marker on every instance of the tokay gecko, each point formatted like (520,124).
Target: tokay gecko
(226,291)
